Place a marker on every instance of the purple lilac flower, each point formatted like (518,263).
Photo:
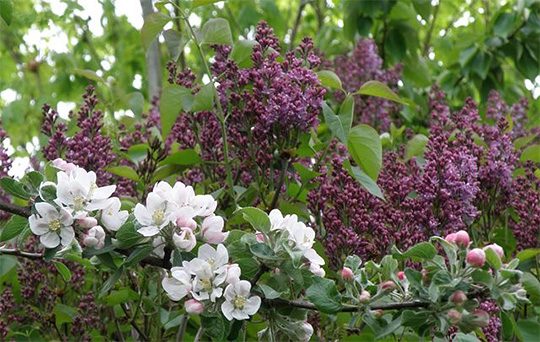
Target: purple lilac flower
(492,330)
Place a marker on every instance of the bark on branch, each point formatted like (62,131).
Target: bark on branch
(278,302)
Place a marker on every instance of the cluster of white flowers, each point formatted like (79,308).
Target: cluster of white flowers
(177,207)
(79,203)
(299,238)
(209,277)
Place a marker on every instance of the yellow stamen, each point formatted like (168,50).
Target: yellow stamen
(239,302)
(55,225)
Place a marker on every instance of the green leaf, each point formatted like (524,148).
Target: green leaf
(529,330)
(64,314)
(173,100)
(461,337)
(7,262)
(503,24)
(364,179)
(339,128)
(305,174)
(13,228)
(124,171)
(532,286)
(136,103)
(111,281)
(14,188)
(324,294)
(90,74)
(33,180)
(241,53)
(482,277)
(389,328)
(376,88)
(175,43)
(528,254)
(216,327)
(6,11)
(258,219)
(366,149)
(204,99)
(63,270)
(269,292)
(199,3)
(329,79)
(521,142)
(263,251)
(123,295)
(138,152)
(493,259)
(249,267)
(415,146)
(531,153)
(153,24)
(184,157)
(137,255)
(217,31)
(421,251)
(467,54)
(127,236)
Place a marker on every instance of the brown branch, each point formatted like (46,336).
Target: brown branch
(26,255)
(278,302)
(15,209)
(303,4)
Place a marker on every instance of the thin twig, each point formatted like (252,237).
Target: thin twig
(132,322)
(297,23)
(199,334)
(281,180)
(182,328)
(31,256)
(278,302)
(427,41)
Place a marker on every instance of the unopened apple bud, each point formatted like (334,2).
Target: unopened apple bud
(496,248)
(193,306)
(364,297)
(388,286)
(476,257)
(451,238)
(425,275)
(480,318)
(87,222)
(277,271)
(347,274)
(454,316)
(459,297)
(401,275)
(307,330)
(462,239)
(260,237)
(377,313)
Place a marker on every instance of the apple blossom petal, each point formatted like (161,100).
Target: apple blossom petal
(148,231)
(50,239)
(252,305)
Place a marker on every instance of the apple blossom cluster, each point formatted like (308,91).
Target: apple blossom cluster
(212,283)
(75,201)
(171,213)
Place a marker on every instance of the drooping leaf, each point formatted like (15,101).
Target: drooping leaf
(184,157)
(153,24)
(415,146)
(14,188)
(217,31)
(175,43)
(6,11)
(376,88)
(124,171)
(258,219)
(531,153)
(241,53)
(365,148)
(329,79)
(13,227)
(63,270)
(204,99)
(174,99)
(369,184)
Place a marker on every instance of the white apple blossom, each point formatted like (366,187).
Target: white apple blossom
(53,225)
(186,222)
(95,237)
(185,239)
(111,216)
(203,205)
(214,257)
(279,222)
(179,285)
(238,303)
(317,270)
(307,330)
(212,229)
(64,165)
(159,246)
(79,192)
(232,273)
(301,236)
(206,284)
(156,215)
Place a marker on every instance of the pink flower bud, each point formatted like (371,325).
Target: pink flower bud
(496,248)
(480,318)
(186,222)
(476,257)
(462,239)
(377,313)
(401,275)
(454,316)
(87,222)
(451,238)
(193,306)
(388,286)
(307,330)
(260,237)
(425,275)
(364,297)
(459,297)
(277,271)
(65,166)
(347,274)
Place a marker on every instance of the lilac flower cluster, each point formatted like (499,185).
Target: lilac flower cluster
(464,181)
(5,166)
(268,106)
(362,65)
(493,329)
(88,148)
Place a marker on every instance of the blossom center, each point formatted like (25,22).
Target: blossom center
(158,216)
(239,302)
(55,225)
(206,284)
(78,203)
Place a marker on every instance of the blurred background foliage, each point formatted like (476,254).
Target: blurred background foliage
(51,49)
